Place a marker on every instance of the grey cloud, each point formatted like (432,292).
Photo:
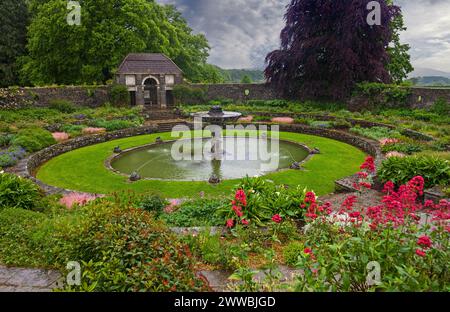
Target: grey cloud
(242,32)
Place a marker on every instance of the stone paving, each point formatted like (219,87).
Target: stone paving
(28,280)
(219,280)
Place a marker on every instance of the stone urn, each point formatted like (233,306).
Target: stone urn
(214,179)
(135,177)
(315,151)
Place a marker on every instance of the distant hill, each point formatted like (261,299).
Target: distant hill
(427,81)
(236,75)
(428,72)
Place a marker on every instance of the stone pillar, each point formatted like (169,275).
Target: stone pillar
(162,92)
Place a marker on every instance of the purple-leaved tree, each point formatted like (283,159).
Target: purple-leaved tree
(328,46)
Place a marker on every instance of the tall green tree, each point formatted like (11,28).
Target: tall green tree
(13,29)
(399,65)
(68,54)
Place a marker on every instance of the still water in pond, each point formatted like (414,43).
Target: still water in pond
(239,157)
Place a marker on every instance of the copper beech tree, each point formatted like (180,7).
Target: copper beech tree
(328,46)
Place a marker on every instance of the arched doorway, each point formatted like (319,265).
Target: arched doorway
(151,86)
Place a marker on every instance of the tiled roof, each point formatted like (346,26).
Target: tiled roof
(148,63)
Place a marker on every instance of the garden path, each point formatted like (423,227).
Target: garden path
(27,280)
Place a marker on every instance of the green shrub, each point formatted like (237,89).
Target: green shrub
(382,95)
(291,253)
(5,139)
(119,95)
(435,171)
(123,249)
(200,212)
(16,192)
(63,106)
(16,240)
(405,148)
(73,130)
(153,203)
(115,124)
(376,133)
(341,124)
(11,156)
(441,107)
(33,139)
(321,124)
(189,95)
(265,199)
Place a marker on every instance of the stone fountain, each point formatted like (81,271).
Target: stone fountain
(217,115)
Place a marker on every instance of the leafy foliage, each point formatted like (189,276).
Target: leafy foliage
(376,133)
(64,106)
(13,28)
(325,52)
(153,203)
(200,212)
(89,53)
(264,199)
(16,192)
(119,95)
(33,139)
(188,95)
(434,170)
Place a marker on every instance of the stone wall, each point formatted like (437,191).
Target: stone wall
(91,96)
(425,97)
(94,96)
(239,92)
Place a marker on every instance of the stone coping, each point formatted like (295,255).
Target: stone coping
(27,167)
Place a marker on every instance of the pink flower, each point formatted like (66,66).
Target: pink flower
(277,218)
(307,251)
(60,136)
(385,142)
(71,199)
(420,253)
(369,164)
(91,130)
(245,222)
(230,223)
(395,154)
(424,241)
(310,197)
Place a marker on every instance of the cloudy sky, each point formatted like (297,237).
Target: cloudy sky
(242,32)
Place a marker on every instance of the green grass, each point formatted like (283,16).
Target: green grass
(84,169)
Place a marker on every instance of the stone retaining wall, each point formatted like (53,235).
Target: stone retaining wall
(239,92)
(91,96)
(94,96)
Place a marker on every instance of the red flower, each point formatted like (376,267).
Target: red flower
(424,241)
(238,211)
(277,218)
(420,253)
(307,251)
(310,197)
(245,222)
(230,223)
(241,197)
(369,164)
(388,187)
(355,214)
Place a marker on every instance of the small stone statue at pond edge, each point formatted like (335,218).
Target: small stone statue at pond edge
(135,177)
